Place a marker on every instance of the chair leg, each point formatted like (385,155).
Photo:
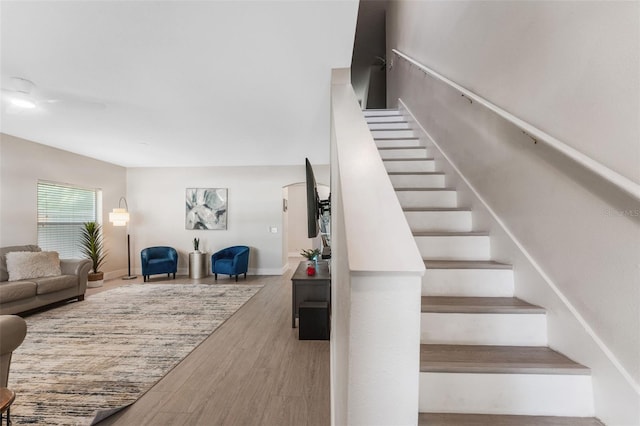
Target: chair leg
(236,277)
(245,275)
(216,276)
(174,275)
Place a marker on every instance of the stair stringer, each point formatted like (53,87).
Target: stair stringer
(568,332)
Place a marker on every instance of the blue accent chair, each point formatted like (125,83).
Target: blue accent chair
(230,261)
(159,260)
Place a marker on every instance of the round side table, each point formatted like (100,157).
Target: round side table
(197,265)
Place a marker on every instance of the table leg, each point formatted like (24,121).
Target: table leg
(293,305)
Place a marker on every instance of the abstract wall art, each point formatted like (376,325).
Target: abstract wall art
(206,208)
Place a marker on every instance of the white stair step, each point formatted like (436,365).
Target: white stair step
(380,112)
(396,142)
(437,219)
(417,180)
(517,380)
(453,245)
(427,197)
(403,152)
(410,165)
(398,133)
(482,321)
(467,278)
(455,419)
(385,119)
(389,125)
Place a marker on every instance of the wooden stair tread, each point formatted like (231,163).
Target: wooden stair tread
(452,419)
(395,138)
(465,264)
(408,159)
(496,360)
(387,148)
(450,234)
(415,173)
(424,189)
(478,305)
(389,129)
(436,209)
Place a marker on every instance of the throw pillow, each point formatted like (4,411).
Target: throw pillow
(23,265)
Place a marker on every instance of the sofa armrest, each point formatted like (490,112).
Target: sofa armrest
(79,267)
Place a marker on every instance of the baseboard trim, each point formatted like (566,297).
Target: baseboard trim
(610,355)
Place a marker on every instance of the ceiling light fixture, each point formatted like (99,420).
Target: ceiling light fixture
(22,103)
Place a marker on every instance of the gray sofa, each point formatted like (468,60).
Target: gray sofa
(21,296)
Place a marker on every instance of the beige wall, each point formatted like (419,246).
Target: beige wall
(156,199)
(23,163)
(157,203)
(571,69)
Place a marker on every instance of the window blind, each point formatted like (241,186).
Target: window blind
(62,211)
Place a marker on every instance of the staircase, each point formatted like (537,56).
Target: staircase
(484,358)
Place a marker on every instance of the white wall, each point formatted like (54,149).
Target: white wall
(297,238)
(23,163)
(375,302)
(571,69)
(297,228)
(157,203)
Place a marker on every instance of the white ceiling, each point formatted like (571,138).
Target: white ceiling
(178,83)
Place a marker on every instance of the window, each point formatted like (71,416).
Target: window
(62,211)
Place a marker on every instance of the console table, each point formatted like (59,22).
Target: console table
(305,288)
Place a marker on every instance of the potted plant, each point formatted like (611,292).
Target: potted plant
(310,254)
(93,249)
(312,257)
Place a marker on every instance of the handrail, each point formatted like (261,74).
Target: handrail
(589,163)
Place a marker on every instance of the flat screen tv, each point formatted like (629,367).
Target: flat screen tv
(313,202)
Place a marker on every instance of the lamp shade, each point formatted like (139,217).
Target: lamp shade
(119,217)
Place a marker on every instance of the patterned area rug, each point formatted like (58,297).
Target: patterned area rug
(105,352)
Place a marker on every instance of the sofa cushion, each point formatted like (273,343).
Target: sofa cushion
(26,265)
(4,274)
(53,284)
(17,290)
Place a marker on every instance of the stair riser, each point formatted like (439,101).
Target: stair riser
(417,181)
(381,112)
(454,247)
(447,221)
(392,143)
(387,125)
(426,199)
(393,133)
(417,152)
(410,166)
(522,394)
(484,329)
(468,282)
(385,119)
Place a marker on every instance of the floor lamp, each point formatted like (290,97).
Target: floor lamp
(120,217)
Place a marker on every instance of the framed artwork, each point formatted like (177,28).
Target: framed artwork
(206,208)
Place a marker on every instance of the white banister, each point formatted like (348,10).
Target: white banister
(589,163)
(376,279)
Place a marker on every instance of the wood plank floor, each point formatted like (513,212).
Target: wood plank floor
(252,370)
